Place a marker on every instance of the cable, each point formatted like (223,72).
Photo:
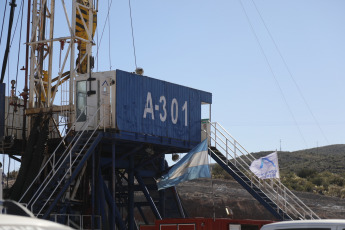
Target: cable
(109,39)
(271,70)
(20,38)
(19,42)
(290,74)
(97,47)
(3,70)
(130,14)
(3,20)
(8,169)
(104,28)
(15,28)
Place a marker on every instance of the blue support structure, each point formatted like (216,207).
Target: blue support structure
(142,214)
(74,175)
(105,224)
(93,193)
(117,214)
(148,197)
(113,177)
(108,159)
(162,192)
(131,194)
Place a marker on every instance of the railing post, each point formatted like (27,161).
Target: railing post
(226,147)
(285,197)
(70,163)
(235,152)
(215,135)
(103,105)
(53,163)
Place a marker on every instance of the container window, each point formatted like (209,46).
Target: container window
(81,101)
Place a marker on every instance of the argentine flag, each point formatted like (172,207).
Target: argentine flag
(191,166)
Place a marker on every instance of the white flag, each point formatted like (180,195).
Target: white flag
(266,167)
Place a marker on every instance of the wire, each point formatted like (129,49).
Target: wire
(8,169)
(104,28)
(97,46)
(109,40)
(20,38)
(290,74)
(130,14)
(3,20)
(15,28)
(273,75)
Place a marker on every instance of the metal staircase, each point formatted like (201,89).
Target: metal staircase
(61,170)
(233,158)
(172,206)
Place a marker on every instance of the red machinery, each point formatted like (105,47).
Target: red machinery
(206,224)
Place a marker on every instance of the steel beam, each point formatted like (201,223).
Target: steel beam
(148,197)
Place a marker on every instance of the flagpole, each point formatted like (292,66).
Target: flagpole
(214,207)
(278,166)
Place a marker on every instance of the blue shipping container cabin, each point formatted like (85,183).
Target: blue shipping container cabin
(138,104)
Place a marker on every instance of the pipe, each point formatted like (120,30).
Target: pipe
(10,23)
(25,93)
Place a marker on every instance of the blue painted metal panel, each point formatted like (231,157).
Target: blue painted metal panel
(2,109)
(149,106)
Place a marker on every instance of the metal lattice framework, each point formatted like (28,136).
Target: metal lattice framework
(81,26)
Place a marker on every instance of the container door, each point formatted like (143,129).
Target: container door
(86,105)
(105,94)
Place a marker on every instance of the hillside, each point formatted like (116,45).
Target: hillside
(317,170)
(328,158)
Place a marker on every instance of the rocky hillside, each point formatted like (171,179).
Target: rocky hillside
(327,158)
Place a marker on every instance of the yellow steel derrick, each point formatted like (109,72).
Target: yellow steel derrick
(81,32)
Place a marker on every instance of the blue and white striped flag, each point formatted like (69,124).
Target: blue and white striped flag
(191,166)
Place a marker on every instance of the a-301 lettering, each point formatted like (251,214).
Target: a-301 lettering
(163,114)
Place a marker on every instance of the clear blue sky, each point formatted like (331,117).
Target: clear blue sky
(209,45)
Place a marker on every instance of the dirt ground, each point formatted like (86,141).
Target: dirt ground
(198,198)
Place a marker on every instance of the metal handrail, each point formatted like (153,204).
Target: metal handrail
(221,138)
(67,151)
(262,185)
(258,183)
(51,156)
(69,169)
(54,217)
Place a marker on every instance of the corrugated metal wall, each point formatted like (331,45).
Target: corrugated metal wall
(2,109)
(155,107)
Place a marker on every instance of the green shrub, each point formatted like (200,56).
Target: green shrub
(317,180)
(306,172)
